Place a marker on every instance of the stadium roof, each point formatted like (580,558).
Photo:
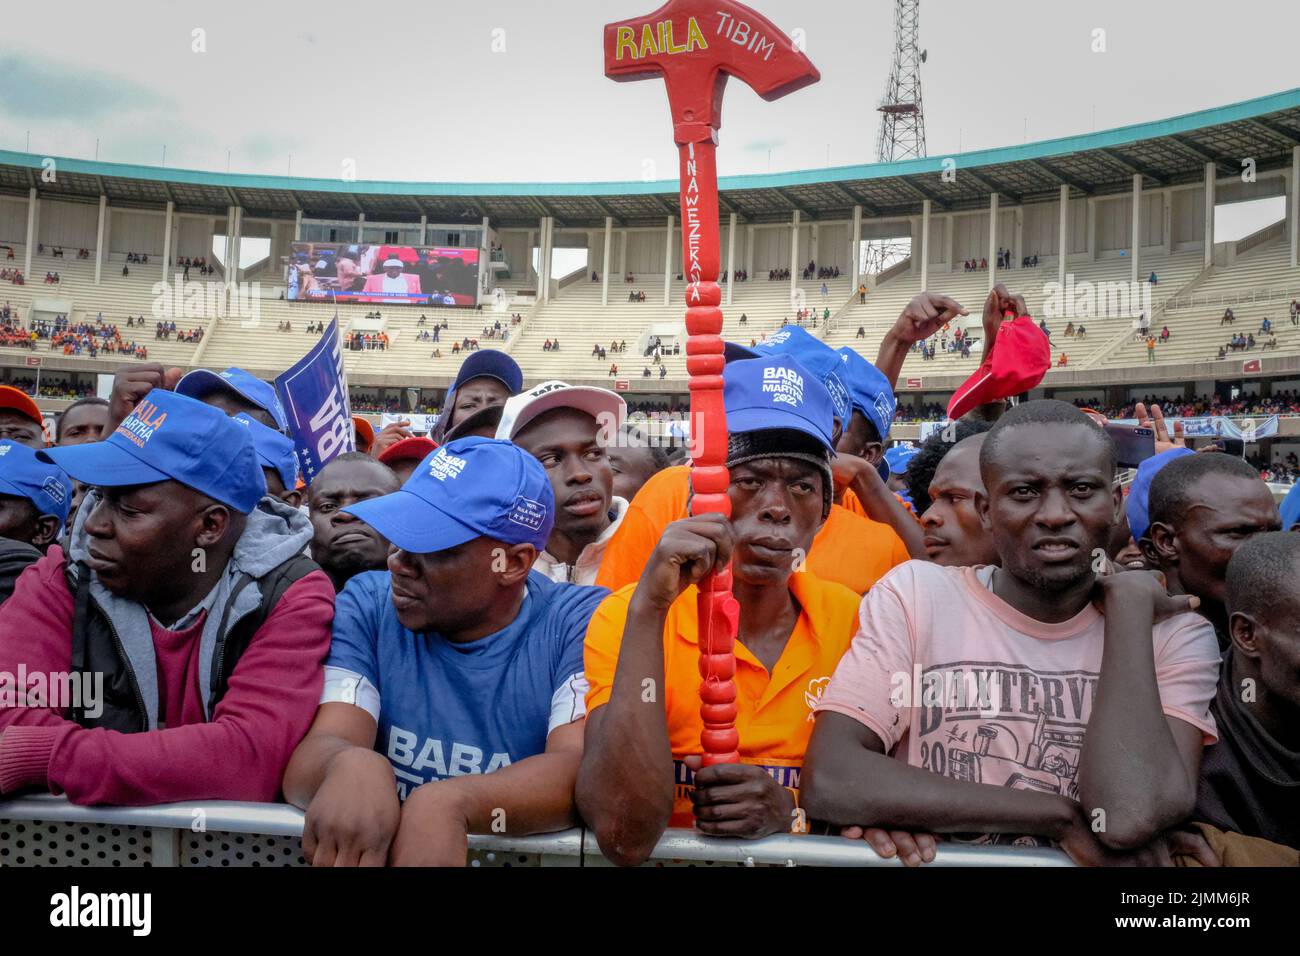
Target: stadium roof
(1165,152)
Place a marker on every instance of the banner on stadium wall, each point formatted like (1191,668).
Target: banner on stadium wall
(420,423)
(1218,426)
(315,397)
(929,428)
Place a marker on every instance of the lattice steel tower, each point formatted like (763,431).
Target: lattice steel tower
(902,121)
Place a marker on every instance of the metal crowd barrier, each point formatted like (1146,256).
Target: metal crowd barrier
(49,831)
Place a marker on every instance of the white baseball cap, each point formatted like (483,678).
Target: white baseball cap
(520,410)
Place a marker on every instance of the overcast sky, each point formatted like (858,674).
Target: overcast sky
(419,94)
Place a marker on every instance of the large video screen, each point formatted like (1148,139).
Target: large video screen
(380,273)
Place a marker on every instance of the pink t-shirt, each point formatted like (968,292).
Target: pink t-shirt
(955,680)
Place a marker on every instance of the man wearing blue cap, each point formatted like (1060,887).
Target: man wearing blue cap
(898,457)
(34,496)
(453,699)
(851,549)
(185,588)
(275,453)
(235,391)
(34,502)
(641,771)
(487,378)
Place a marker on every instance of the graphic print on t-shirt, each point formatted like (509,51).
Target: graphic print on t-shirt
(1003,725)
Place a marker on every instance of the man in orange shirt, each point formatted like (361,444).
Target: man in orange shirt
(641,770)
(851,548)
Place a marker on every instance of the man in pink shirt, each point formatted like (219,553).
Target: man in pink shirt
(1036,699)
(171,648)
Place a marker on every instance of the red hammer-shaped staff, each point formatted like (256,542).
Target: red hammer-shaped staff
(695,46)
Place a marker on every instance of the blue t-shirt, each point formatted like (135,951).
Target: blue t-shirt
(449,709)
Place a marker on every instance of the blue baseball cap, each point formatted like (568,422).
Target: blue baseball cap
(1290,508)
(203,381)
(871,393)
(469,488)
(493,363)
(1139,518)
(898,457)
(777,391)
(274,450)
(171,437)
(45,485)
(813,354)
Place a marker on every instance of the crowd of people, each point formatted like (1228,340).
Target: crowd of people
(498,620)
(366,341)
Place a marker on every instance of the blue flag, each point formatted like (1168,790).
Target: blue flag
(315,397)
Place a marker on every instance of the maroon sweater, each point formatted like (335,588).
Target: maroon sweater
(239,755)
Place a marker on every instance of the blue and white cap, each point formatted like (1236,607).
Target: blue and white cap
(24,475)
(811,352)
(246,385)
(274,449)
(469,488)
(777,391)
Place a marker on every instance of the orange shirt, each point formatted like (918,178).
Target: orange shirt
(850,549)
(774,710)
(851,502)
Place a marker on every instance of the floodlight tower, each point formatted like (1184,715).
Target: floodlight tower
(902,121)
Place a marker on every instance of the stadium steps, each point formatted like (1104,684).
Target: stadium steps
(1259,284)
(579,321)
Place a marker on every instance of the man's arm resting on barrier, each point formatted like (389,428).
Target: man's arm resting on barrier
(848,780)
(625,783)
(347,788)
(236,755)
(534,795)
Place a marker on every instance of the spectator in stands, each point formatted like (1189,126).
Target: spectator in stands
(1164,335)
(1202,508)
(20,418)
(663,372)
(567,429)
(613,369)
(1050,501)
(1295,312)
(640,772)
(1228,317)
(341,544)
(177,476)
(1151,350)
(1266,325)
(1153,278)
(862,293)
(1062,361)
(35,497)
(645,372)
(453,683)
(1249,779)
